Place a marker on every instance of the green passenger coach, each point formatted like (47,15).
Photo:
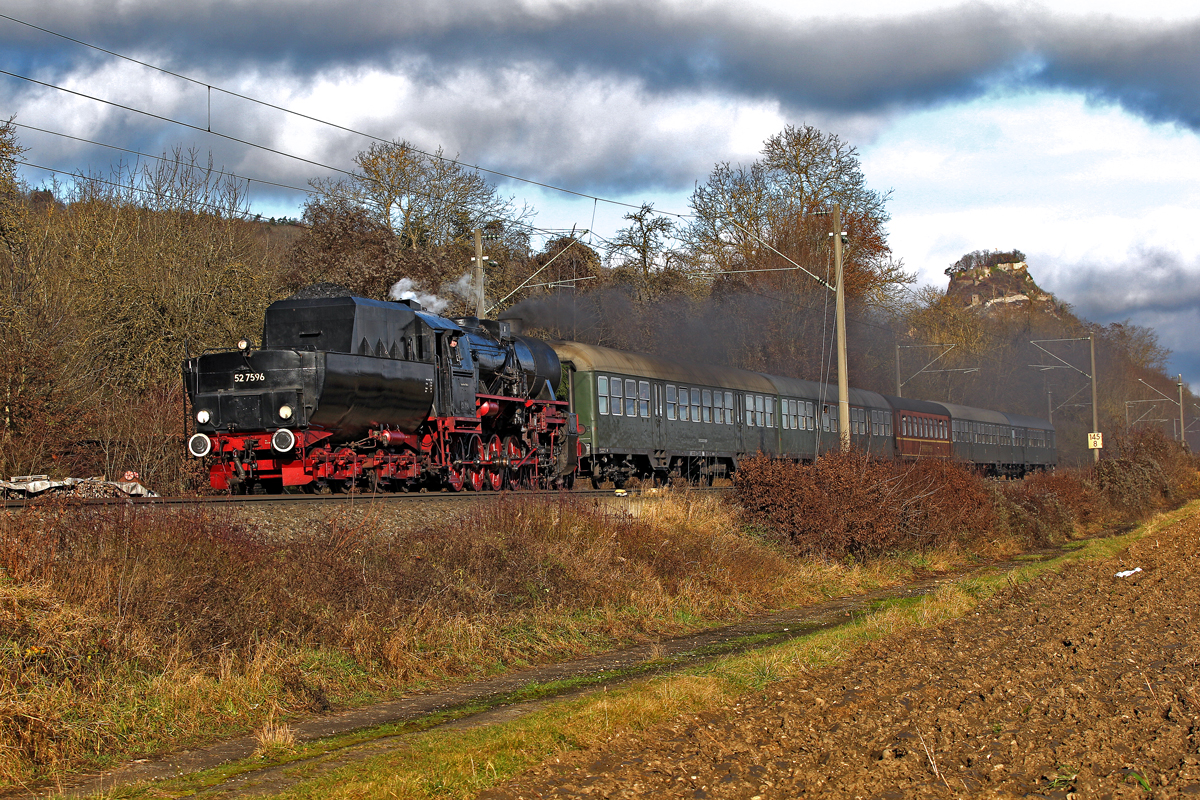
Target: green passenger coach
(650,417)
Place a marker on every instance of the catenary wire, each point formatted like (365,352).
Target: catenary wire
(302,115)
(249,179)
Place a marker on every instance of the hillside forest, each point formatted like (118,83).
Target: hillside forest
(109,280)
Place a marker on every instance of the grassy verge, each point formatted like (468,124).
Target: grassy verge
(126,632)
(460,763)
(130,631)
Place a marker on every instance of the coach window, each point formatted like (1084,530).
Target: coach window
(825,417)
(602,393)
(887,423)
(614,391)
(671,399)
(631,397)
(718,408)
(695,405)
(750,410)
(760,411)
(706,405)
(644,399)
(658,406)
(786,413)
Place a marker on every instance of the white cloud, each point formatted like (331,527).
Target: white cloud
(1049,173)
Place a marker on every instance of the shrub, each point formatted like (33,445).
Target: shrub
(846,503)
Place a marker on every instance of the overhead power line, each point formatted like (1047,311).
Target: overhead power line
(211,87)
(547,232)
(224,209)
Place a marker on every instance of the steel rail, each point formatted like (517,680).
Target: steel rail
(336,499)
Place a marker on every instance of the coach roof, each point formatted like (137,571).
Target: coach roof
(590,358)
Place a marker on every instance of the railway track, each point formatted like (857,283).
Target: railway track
(351,499)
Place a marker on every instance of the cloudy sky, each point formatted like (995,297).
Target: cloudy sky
(1065,129)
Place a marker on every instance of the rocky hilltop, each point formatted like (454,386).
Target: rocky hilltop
(990,288)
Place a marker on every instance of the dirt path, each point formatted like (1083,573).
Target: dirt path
(1083,684)
(497,693)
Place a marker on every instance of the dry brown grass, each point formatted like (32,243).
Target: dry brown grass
(129,630)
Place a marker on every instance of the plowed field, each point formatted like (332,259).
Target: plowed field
(1079,684)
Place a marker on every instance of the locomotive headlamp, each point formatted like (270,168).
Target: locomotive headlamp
(199,445)
(285,412)
(202,416)
(243,344)
(283,440)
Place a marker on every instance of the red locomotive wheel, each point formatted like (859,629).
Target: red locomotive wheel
(473,468)
(512,454)
(495,464)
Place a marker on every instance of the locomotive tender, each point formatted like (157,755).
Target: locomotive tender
(350,392)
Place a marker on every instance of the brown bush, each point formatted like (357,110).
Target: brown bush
(948,503)
(843,503)
(1075,489)
(849,504)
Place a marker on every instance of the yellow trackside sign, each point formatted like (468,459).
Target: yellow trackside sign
(1095,441)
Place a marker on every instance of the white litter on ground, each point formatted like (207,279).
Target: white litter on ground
(1128,572)
(31,485)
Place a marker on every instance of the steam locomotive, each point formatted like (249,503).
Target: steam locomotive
(347,391)
(350,393)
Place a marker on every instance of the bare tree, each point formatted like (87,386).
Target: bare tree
(642,245)
(745,216)
(427,200)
